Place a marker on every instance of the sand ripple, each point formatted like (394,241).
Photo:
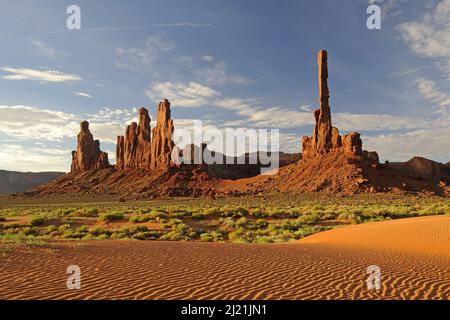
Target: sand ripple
(413,254)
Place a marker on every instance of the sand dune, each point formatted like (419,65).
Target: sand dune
(413,254)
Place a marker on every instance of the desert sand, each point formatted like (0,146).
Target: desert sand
(413,254)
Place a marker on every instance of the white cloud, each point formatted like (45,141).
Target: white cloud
(244,107)
(376,122)
(143,57)
(280,117)
(306,108)
(429,91)
(36,126)
(191,94)
(286,118)
(44,49)
(37,75)
(82,94)
(34,158)
(33,123)
(218,74)
(431,143)
(25,122)
(207,58)
(429,37)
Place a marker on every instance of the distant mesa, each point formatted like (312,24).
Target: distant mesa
(14,181)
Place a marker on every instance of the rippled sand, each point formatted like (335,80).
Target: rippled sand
(413,254)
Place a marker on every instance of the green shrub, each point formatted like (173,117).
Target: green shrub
(139,218)
(240,240)
(152,235)
(309,219)
(198,215)
(83,229)
(110,217)
(257,212)
(52,228)
(156,215)
(37,221)
(139,236)
(63,228)
(207,237)
(263,240)
(63,212)
(85,212)
(98,231)
(27,231)
(117,235)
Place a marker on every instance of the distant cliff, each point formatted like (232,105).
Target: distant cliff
(13,181)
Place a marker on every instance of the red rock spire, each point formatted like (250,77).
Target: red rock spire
(88,154)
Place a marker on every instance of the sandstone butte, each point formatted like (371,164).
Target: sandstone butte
(88,154)
(329,162)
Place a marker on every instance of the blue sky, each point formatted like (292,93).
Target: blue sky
(248,64)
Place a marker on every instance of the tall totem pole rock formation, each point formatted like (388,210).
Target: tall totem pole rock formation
(323,128)
(138,149)
(162,143)
(325,137)
(88,154)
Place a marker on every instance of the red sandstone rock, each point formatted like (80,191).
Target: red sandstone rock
(139,149)
(322,137)
(120,152)
(88,154)
(134,149)
(325,137)
(352,144)
(371,155)
(336,140)
(162,144)
(143,151)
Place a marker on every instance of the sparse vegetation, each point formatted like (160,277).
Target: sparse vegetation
(237,220)
(110,217)
(37,221)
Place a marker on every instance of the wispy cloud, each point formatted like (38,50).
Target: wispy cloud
(429,36)
(44,49)
(181,24)
(430,92)
(207,58)
(142,57)
(82,94)
(400,73)
(191,94)
(218,74)
(38,75)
